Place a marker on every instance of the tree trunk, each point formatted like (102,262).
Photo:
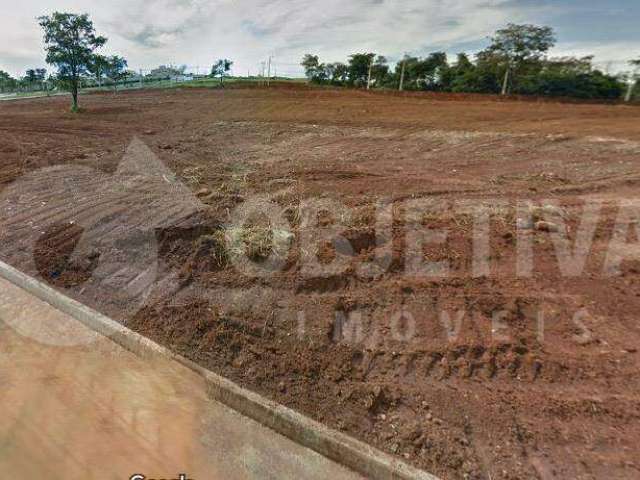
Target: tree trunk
(505,83)
(74,95)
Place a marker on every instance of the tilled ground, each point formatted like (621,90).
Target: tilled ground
(484,373)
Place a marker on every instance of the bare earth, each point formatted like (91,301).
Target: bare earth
(479,404)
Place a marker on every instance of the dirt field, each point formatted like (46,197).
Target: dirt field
(551,390)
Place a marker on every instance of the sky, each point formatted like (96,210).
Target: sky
(196,32)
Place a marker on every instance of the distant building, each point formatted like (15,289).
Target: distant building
(185,77)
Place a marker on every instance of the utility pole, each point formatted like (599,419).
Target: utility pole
(262,75)
(141,79)
(269,72)
(505,83)
(632,85)
(369,76)
(404,61)
(627,97)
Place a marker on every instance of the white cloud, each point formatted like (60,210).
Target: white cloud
(610,57)
(195,32)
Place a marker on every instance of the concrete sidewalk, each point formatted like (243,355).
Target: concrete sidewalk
(99,412)
(29,97)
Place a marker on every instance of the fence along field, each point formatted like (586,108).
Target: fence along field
(516,61)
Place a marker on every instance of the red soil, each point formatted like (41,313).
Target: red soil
(511,404)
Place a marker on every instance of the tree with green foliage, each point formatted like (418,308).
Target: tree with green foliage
(314,70)
(115,70)
(433,67)
(515,62)
(329,72)
(380,71)
(31,76)
(570,77)
(7,82)
(337,73)
(359,64)
(517,45)
(70,42)
(97,67)
(355,73)
(341,72)
(411,74)
(452,75)
(486,77)
(50,83)
(34,79)
(423,73)
(4,77)
(221,69)
(636,67)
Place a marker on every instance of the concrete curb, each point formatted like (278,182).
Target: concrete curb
(336,446)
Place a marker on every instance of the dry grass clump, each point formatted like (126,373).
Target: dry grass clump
(212,247)
(193,175)
(257,243)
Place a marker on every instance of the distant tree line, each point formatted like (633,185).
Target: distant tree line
(515,62)
(72,45)
(104,71)
(34,79)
